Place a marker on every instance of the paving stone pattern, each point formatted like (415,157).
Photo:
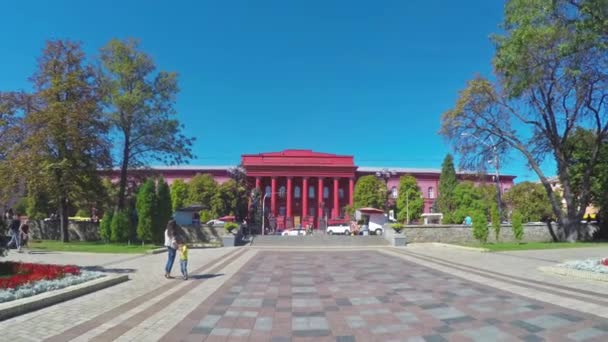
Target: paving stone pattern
(369,296)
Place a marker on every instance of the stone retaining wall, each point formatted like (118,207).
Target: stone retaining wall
(50,230)
(464,234)
(201,234)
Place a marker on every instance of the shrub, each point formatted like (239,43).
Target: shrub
(121,226)
(496,222)
(230,226)
(397,227)
(83,213)
(480,227)
(206,216)
(105,228)
(516,223)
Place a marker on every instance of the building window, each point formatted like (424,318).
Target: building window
(311,192)
(268,190)
(394,192)
(431,192)
(297,192)
(282,191)
(282,211)
(326,192)
(311,211)
(341,193)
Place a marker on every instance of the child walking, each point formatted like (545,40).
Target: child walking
(183,259)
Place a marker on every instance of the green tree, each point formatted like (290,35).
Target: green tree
(142,110)
(224,201)
(179,194)
(147,210)
(517,226)
(446,204)
(164,210)
(495,221)
(410,203)
(201,189)
(550,57)
(530,200)
(37,206)
(105,228)
(120,227)
(480,227)
(370,192)
(469,199)
(65,143)
(242,191)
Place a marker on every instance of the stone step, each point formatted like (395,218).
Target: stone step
(318,241)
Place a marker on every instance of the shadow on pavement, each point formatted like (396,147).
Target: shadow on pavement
(204,276)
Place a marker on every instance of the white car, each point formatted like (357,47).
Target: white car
(339,229)
(293,232)
(215,223)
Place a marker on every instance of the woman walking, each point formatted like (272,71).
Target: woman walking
(171,245)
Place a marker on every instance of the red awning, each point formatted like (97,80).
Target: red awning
(370,211)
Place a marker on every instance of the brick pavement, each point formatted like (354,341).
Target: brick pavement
(370,294)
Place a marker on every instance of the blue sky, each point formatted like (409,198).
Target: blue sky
(364,78)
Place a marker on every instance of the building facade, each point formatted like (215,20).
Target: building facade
(305,187)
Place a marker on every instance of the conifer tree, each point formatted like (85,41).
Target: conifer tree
(446,202)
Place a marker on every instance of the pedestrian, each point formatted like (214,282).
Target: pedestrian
(13,227)
(183,258)
(24,233)
(467,220)
(171,245)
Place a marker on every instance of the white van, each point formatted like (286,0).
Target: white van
(375,219)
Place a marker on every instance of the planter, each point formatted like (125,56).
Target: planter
(228,240)
(399,240)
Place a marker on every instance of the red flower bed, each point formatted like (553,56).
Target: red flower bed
(16,273)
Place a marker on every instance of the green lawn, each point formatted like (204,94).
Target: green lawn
(91,247)
(514,246)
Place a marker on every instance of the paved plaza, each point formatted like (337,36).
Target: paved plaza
(417,293)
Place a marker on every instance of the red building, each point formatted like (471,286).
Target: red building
(303,186)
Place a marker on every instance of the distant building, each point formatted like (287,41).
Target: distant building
(303,186)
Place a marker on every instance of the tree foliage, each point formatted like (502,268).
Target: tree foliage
(105,228)
(141,106)
(480,227)
(63,143)
(370,191)
(224,201)
(446,204)
(179,194)
(201,190)
(517,225)
(470,199)
(551,64)
(530,200)
(120,227)
(495,221)
(164,210)
(409,200)
(147,210)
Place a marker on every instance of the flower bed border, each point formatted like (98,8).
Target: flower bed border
(39,301)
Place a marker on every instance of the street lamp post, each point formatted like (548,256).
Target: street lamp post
(496,168)
(386,174)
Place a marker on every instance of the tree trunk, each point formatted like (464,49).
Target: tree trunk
(551,231)
(63,211)
(123,175)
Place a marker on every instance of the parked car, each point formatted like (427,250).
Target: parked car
(294,232)
(338,229)
(215,223)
